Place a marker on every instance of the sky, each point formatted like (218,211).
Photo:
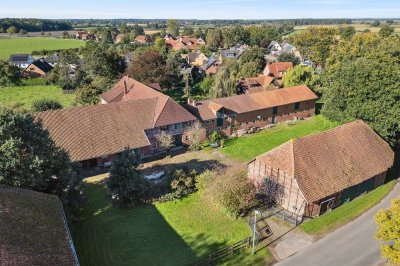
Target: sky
(200,9)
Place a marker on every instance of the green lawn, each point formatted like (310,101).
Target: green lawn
(347,212)
(27,45)
(171,233)
(247,148)
(26,95)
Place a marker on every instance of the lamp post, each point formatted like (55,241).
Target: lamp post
(254,229)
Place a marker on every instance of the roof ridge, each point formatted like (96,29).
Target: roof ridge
(162,110)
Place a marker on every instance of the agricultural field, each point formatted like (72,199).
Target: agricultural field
(26,95)
(171,233)
(27,45)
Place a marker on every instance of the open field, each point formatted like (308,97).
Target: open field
(347,212)
(26,95)
(247,148)
(27,45)
(171,233)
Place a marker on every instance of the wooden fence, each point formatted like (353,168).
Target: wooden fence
(226,252)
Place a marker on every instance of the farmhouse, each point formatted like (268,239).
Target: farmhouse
(33,229)
(38,68)
(243,112)
(21,60)
(132,115)
(312,175)
(84,36)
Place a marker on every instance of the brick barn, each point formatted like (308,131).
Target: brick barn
(230,114)
(312,175)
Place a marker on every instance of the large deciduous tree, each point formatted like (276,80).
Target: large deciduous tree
(388,222)
(173,27)
(299,75)
(234,35)
(316,43)
(30,159)
(363,82)
(215,39)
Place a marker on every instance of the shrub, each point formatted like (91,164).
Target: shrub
(181,184)
(229,189)
(127,185)
(43,105)
(214,137)
(34,82)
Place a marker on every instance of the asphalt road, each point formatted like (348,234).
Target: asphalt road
(352,245)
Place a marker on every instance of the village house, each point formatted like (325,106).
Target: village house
(143,39)
(21,60)
(33,229)
(53,59)
(257,84)
(312,175)
(232,53)
(211,66)
(233,114)
(196,59)
(131,114)
(38,68)
(84,36)
(277,70)
(183,42)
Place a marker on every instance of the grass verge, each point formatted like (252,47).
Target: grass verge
(345,213)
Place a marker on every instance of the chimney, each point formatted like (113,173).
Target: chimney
(189,101)
(194,103)
(125,88)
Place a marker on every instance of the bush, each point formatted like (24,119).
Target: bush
(181,185)
(43,105)
(34,82)
(128,187)
(229,189)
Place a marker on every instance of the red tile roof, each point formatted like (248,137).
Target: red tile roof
(135,90)
(104,129)
(326,163)
(276,68)
(32,229)
(252,102)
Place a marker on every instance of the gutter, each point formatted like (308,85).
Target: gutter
(71,243)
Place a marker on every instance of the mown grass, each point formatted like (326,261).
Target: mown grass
(26,95)
(247,148)
(347,212)
(27,45)
(171,233)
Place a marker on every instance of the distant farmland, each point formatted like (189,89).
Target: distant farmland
(27,45)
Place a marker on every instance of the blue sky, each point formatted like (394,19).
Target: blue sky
(201,9)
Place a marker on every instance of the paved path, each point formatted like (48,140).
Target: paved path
(352,245)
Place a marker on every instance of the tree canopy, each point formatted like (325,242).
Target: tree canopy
(30,159)
(388,222)
(299,75)
(9,75)
(315,43)
(362,82)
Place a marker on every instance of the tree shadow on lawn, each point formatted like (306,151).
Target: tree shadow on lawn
(194,164)
(105,235)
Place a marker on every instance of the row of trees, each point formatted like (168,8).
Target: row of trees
(33,25)
(253,35)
